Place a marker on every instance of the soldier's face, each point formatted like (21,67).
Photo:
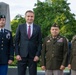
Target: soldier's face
(29,17)
(2,22)
(54,31)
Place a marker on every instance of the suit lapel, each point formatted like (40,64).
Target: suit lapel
(25,30)
(34,30)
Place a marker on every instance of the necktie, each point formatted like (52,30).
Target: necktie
(29,31)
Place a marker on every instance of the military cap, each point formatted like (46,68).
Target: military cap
(55,25)
(2,16)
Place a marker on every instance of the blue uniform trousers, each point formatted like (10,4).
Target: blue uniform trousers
(3,69)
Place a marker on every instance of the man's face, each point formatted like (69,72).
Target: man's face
(2,22)
(29,17)
(54,31)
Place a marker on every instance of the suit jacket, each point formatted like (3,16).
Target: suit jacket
(24,45)
(6,47)
(54,52)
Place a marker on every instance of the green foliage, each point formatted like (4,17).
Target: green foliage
(15,22)
(57,11)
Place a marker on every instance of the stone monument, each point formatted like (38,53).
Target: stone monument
(4,10)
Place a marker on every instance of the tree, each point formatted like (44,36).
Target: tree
(15,22)
(57,11)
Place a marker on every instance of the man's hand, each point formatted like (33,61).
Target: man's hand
(36,58)
(69,66)
(43,67)
(62,67)
(18,57)
(10,62)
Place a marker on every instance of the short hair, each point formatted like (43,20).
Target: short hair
(29,11)
(2,16)
(55,25)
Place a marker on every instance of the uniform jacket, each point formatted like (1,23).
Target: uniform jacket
(54,52)
(6,47)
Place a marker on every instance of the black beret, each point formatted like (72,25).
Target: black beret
(2,16)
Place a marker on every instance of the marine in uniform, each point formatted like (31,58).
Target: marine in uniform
(72,62)
(54,52)
(6,47)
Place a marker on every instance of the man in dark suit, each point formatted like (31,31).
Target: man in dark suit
(6,47)
(54,52)
(28,45)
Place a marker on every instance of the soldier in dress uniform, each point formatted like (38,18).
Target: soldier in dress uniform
(6,47)
(72,61)
(54,52)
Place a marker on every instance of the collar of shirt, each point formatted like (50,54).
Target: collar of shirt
(29,24)
(31,27)
(1,28)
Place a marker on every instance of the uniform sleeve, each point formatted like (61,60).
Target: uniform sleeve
(65,52)
(43,54)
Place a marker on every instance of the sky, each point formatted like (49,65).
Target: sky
(21,6)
